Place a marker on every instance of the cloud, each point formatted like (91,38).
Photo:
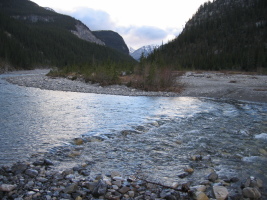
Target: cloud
(138,36)
(94,19)
(134,36)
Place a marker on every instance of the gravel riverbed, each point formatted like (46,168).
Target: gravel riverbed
(204,84)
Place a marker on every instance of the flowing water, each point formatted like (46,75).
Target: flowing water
(232,133)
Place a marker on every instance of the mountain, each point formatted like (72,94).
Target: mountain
(31,36)
(131,50)
(145,50)
(113,40)
(224,34)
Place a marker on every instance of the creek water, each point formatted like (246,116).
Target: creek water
(233,133)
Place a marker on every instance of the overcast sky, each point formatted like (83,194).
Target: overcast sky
(139,22)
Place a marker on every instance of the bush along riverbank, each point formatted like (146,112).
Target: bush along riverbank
(38,180)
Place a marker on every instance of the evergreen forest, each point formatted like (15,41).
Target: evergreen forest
(32,36)
(222,35)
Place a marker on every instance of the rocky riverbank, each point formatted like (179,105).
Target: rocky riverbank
(203,84)
(26,181)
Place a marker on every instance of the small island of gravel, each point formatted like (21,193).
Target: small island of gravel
(195,84)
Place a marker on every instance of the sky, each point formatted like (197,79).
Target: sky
(139,22)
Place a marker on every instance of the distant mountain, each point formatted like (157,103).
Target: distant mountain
(31,36)
(146,50)
(113,40)
(223,34)
(131,50)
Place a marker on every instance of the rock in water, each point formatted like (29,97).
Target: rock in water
(78,141)
(220,192)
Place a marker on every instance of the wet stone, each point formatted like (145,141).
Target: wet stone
(7,187)
(124,190)
(19,168)
(48,162)
(71,188)
(252,193)
(31,172)
(183,175)
(212,177)
(201,196)
(220,192)
(78,141)
(100,189)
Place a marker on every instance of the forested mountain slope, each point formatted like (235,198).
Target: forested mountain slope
(31,36)
(224,34)
(113,40)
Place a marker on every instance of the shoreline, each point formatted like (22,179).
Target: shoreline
(205,84)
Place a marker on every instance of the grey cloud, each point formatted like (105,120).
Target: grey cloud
(150,32)
(145,32)
(94,19)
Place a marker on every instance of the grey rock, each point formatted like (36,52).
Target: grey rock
(200,196)
(71,188)
(170,197)
(7,187)
(220,192)
(19,168)
(234,179)
(48,162)
(212,177)
(183,175)
(252,193)
(256,183)
(124,190)
(31,172)
(38,162)
(100,189)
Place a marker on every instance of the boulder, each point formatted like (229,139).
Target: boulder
(252,193)
(201,196)
(220,192)
(7,187)
(100,188)
(71,188)
(212,177)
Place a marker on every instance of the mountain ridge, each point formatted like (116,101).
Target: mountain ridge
(144,50)
(35,36)
(113,40)
(222,35)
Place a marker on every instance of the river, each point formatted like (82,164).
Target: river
(232,133)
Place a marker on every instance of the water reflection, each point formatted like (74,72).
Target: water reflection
(34,120)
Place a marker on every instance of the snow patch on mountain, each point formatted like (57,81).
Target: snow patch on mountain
(146,50)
